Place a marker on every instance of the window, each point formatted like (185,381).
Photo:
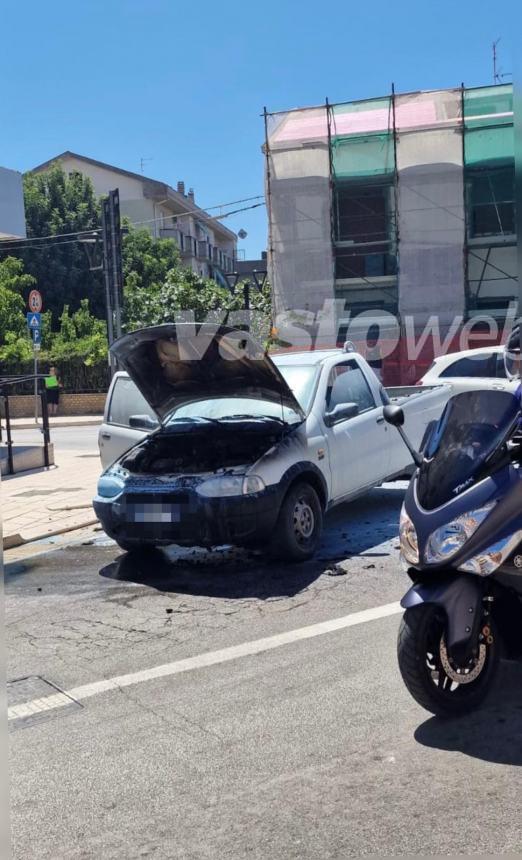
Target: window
(365,231)
(491,202)
(364,263)
(362,214)
(347,384)
(301,380)
(482,365)
(126,400)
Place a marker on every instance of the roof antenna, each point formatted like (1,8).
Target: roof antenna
(496,75)
(143,160)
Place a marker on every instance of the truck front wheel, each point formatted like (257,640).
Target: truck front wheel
(298,529)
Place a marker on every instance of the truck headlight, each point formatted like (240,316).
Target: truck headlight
(231,485)
(408,539)
(446,541)
(110,484)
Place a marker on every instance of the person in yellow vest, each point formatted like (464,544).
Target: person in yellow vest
(52,385)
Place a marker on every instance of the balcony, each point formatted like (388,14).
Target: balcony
(188,246)
(204,250)
(171,233)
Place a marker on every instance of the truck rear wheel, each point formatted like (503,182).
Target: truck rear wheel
(298,529)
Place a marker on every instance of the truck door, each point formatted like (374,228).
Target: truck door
(116,435)
(357,445)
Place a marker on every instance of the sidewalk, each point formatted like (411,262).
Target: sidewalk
(42,503)
(56,421)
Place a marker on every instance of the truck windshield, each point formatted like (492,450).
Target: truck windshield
(300,379)
(473,425)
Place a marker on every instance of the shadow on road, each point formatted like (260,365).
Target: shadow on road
(493,733)
(357,527)
(351,530)
(229,573)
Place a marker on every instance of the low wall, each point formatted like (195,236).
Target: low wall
(22,405)
(25,457)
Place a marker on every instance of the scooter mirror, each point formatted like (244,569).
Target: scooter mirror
(393,415)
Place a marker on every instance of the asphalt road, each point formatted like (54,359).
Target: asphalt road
(63,438)
(312,749)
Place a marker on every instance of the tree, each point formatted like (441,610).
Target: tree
(14,337)
(146,261)
(183,290)
(81,335)
(57,203)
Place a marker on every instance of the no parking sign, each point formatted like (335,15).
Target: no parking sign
(35,301)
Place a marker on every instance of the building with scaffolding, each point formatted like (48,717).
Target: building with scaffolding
(401,205)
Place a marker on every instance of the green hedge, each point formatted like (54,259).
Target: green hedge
(76,377)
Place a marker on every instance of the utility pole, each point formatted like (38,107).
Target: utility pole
(112,266)
(117,279)
(107,275)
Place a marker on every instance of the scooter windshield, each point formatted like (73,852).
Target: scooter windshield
(471,428)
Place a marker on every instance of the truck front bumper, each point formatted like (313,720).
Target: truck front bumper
(187,519)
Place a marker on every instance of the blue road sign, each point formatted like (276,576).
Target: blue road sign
(34,320)
(37,335)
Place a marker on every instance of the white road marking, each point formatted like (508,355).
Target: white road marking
(200,661)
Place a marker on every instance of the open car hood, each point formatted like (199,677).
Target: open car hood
(175,364)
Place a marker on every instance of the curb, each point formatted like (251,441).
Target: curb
(13,541)
(30,425)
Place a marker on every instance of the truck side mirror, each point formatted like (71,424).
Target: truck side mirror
(393,415)
(341,412)
(142,422)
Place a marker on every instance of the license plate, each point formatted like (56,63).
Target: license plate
(155,512)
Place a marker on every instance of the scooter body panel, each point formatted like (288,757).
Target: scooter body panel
(460,597)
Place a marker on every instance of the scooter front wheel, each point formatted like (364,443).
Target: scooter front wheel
(430,675)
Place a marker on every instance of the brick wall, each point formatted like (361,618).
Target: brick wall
(22,405)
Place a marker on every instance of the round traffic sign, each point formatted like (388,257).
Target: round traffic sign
(35,301)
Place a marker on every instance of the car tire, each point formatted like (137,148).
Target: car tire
(298,529)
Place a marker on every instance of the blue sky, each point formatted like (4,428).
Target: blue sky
(183,83)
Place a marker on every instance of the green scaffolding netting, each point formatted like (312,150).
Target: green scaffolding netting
(361,137)
(489,145)
(488,106)
(488,125)
(367,155)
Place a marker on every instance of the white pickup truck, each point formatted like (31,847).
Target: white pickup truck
(247,450)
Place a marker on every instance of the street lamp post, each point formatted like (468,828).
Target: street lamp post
(259,280)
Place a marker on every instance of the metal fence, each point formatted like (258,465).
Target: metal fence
(8,387)
(76,377)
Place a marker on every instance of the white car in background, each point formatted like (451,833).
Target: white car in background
(470,370)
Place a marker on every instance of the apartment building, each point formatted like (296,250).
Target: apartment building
(206,245)
(12,211)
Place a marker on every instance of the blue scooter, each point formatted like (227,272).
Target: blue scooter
(461,543)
